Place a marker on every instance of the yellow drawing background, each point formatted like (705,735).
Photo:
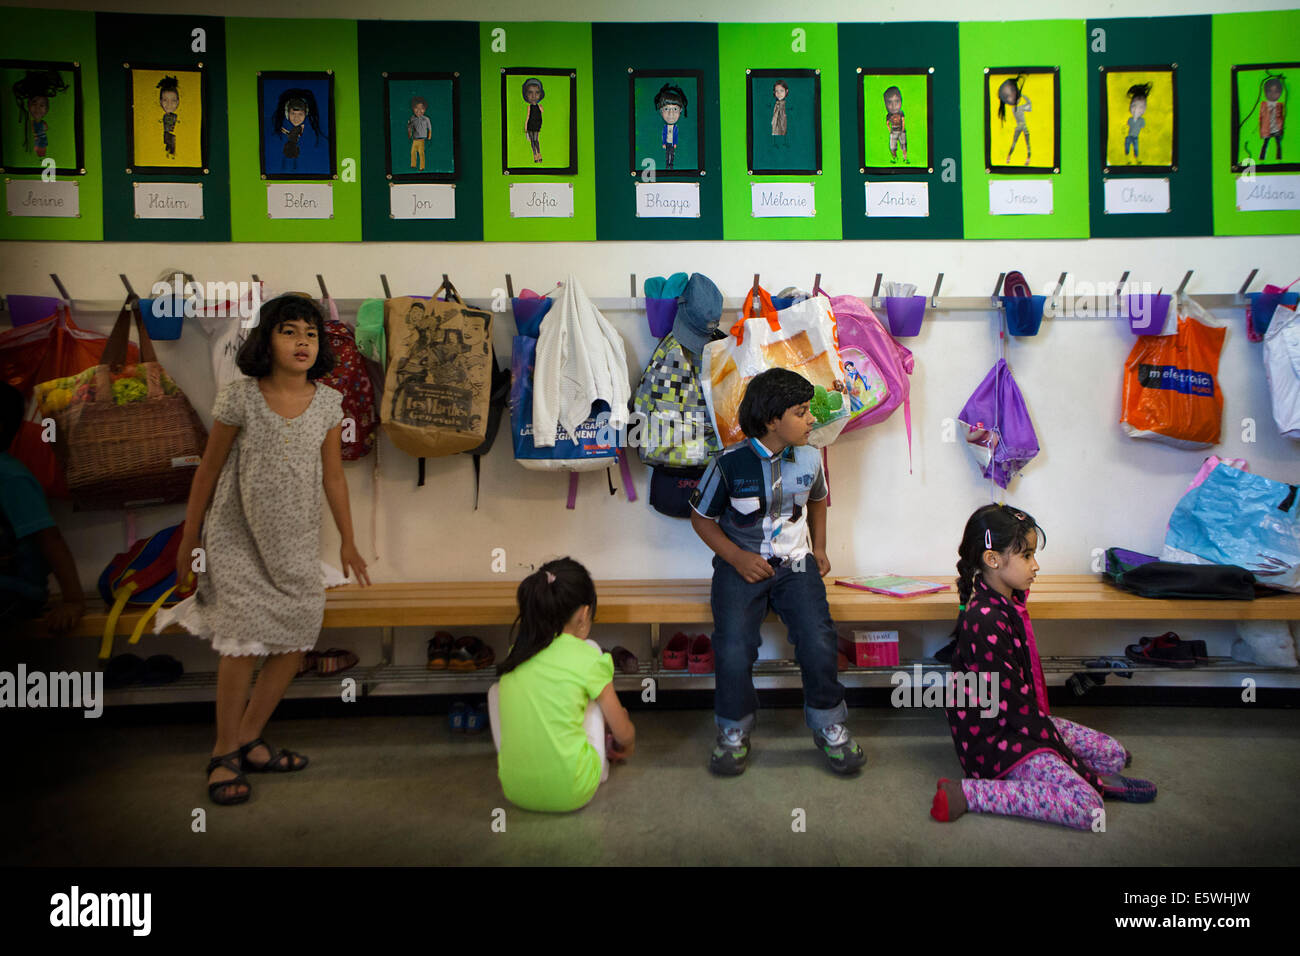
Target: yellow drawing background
(1156,141)
(1040,90)
(148,131)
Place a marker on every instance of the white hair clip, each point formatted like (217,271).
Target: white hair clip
(988,539)
(550,578)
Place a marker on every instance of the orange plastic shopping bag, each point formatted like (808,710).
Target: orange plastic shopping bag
(1171,387)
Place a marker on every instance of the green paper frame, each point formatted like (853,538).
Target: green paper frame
(78,117)
(644,49)
(132,168)
(1182,42)
(893,47)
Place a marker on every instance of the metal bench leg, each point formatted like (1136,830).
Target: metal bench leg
(385,646)
(654,648)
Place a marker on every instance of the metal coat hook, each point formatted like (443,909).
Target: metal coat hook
(1246,285)
(755,302)
(255,278)
(324,292)
(384,281)
(1120,286)
(817,284)
(997,289)
(632,286)
(1060,284)
(1183,285)
(127,282)
(510,288)
(934,296)
(875,293)
(59,285)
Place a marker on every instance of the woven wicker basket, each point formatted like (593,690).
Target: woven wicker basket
(141,453)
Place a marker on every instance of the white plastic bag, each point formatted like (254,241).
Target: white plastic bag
(802,339)
(1268,643)
(1282,368)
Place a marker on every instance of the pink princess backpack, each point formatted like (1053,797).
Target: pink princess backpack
(879,361)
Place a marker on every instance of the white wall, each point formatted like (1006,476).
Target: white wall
(1091,487)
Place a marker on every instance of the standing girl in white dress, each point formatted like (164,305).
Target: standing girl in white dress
(275,444)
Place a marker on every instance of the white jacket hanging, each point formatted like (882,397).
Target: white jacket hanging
(580,359)
(1282,367)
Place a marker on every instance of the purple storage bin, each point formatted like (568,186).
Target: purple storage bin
(26,309)
(905,314)
(1147,313)
(660,313)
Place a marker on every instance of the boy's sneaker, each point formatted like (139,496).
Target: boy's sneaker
(842,752)
(730,753)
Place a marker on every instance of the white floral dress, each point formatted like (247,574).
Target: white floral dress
(262,592)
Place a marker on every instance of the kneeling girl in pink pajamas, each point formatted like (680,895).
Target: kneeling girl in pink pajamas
(1022,761)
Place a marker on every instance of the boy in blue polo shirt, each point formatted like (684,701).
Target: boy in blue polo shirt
(754,507)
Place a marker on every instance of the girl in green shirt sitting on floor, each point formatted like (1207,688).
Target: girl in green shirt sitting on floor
(550,709)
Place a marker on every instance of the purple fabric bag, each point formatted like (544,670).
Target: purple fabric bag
(998,430)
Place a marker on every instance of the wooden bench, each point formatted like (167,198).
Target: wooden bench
(686,602)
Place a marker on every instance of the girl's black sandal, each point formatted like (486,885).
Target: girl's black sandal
(230,796)
(285,761)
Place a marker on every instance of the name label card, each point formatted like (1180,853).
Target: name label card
(1136,195)
(300,201)
(1020,197)
(422,201)
(35,197)
(541,200)
(898,199)
(168,200)
(782,200)
(1268,193)
(668,200)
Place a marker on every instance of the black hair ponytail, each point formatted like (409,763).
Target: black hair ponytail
(547,598)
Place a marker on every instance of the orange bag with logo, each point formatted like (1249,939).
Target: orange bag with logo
(1171,387)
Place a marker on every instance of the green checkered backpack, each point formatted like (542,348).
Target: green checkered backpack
(672,418)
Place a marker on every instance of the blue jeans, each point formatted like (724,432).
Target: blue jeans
(799,599)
